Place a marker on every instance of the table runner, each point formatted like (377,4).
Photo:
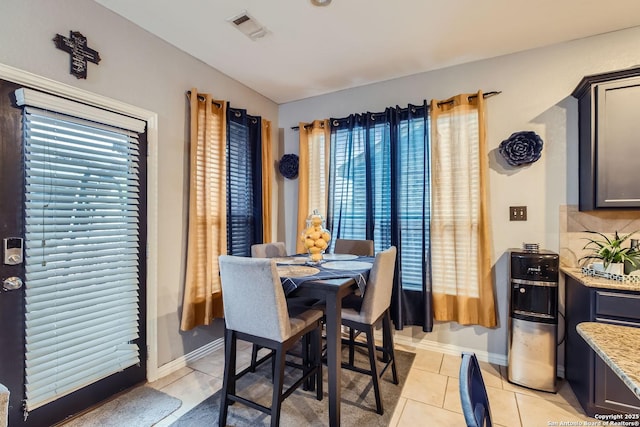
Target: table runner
(357,269)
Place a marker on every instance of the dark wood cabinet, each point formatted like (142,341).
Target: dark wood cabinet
(598,389)
(609,140)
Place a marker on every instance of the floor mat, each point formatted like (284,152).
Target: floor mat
(358,406)
(141,407)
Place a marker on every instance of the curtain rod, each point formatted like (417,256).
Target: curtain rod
(254,119)
(306,126)
(484,95)
(202,98)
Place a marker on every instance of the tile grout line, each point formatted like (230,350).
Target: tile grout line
(518,408)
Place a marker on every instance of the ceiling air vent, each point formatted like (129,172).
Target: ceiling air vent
(248,25)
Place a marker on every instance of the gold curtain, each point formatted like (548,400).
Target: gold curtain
(207,211)
(267,180)
(313,172)
(463,289)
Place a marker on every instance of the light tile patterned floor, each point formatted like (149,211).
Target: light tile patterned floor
(429,397)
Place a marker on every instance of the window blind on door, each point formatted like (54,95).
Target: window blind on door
(82,247)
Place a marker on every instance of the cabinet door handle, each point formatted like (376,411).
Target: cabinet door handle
(617,295)
(617,322)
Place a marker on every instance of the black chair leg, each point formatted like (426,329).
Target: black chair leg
(371,345)
(228,383)
(273,367)
(352,338)
(254,356)
(306,363)
(276,402)
(316,352)
(388,344)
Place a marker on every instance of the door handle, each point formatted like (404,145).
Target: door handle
(11,284)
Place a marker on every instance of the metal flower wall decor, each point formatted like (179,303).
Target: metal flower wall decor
(521,148)
(288,166)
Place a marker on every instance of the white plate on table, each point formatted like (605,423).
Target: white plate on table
(347,265)
(296,271)
(290,260)
(339,257)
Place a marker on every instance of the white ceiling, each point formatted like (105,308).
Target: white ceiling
(310,50)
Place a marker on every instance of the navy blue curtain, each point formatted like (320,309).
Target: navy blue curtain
(379,190)
(244,181)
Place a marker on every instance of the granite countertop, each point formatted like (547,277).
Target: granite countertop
(600,282)
(618,346)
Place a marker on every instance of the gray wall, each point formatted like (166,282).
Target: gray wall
(140,69)
(536,87)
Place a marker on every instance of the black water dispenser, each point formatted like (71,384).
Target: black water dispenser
(533,318)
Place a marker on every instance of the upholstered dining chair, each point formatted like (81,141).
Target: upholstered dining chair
(268,250)
(473,393)
(256,311)
(276,250)
(374,307)
(355,247)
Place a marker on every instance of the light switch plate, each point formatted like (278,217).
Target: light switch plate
(517,213)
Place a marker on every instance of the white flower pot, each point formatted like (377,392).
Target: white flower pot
(597,266)
(615,268)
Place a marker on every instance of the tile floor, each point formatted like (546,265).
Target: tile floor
(429,397)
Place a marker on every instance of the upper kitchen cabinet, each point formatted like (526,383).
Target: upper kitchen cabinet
(609,132)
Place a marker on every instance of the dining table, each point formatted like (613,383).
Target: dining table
(337,276)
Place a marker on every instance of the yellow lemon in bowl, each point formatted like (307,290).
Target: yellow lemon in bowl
(321,243)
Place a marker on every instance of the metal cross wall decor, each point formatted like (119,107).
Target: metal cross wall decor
(76,46)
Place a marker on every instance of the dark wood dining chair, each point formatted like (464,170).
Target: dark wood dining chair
(256,311)
(354,247)
(473,393)
(374,306)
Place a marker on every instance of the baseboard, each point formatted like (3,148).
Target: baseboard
(450,349)
(454,350)
(181,362)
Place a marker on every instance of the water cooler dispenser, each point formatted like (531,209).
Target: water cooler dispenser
(533,318)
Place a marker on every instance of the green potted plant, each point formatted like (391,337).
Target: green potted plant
(611,252)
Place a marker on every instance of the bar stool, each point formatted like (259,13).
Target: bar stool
(473,393)
(374,306)
(256,311)
(355,247)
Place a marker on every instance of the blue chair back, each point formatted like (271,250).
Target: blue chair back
(473,393)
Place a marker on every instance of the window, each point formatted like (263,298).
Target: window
(313,172)
(379,185)
(413,199)
(244,182)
